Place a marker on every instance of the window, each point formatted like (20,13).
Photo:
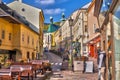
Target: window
(23,37)
(86,28)
(33,55)
(10,35)
(3,34)
(105,6)
(28,55)
(23,9)
(28,40)
(94,28)
(33,41)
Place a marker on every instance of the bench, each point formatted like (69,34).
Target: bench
(22,70)
(5,74)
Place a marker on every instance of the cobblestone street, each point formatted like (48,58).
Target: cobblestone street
(68,74)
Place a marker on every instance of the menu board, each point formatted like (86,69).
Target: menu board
(89,66)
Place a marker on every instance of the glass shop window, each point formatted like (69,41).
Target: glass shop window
(105,6)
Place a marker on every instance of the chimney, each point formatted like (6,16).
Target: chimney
(19,0)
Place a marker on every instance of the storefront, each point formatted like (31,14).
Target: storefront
(92,45)
(7,54)
(116,39)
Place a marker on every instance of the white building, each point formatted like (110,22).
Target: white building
(79,28)
(30,13)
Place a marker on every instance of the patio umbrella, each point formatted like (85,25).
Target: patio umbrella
(52,28)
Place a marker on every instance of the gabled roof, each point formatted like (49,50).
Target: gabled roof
(23,4)
(17,17)
(32,14)
(87,5)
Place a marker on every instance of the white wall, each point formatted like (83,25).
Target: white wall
(30,13)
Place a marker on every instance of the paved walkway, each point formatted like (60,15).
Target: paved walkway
(70,75)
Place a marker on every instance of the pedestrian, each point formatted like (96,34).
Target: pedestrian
(77,46)
(101,64)
(65,55)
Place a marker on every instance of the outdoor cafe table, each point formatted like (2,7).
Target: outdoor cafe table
(5,74)
(37,65)
(21,69)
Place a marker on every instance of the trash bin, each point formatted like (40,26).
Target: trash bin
(65,65)
(78,66)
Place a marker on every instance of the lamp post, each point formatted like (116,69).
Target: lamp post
(71,40)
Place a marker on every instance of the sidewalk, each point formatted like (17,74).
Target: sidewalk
(69,75)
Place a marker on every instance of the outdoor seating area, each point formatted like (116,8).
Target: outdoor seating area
(22,71)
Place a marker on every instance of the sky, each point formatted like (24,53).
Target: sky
(55,8)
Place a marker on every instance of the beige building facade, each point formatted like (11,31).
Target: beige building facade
(94,37)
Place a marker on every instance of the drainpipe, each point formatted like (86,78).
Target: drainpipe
(82,34)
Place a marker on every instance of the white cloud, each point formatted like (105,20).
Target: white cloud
(45,2)
(54,11)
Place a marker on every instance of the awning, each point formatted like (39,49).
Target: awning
(94,40)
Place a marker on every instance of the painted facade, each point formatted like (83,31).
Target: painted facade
(18,39)
(94,37)
(33,15)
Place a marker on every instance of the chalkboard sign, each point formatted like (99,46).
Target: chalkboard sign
(89,66)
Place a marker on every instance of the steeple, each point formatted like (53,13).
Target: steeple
(63,17)
(51,20)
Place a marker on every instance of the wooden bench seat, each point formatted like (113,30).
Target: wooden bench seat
(5,74)
(22,69)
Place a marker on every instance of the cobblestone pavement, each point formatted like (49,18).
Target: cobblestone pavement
(69,75)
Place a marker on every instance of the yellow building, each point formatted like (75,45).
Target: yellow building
(33,15)
(19,39)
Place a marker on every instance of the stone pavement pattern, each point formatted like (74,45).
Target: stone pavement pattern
(77,75)
(69,75)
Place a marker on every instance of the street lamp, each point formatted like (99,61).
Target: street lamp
(70,25)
